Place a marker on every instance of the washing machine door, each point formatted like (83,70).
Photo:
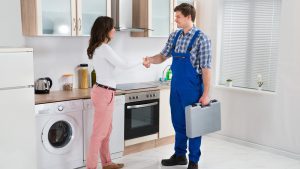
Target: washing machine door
(59,134)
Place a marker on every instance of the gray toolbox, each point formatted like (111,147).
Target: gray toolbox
(201,120)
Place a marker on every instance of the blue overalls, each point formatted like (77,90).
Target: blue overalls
(186,89)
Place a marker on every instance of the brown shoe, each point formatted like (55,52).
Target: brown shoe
(114,166)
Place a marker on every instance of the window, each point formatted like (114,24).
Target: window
(250,41)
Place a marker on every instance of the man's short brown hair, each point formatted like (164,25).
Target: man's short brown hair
(186,9)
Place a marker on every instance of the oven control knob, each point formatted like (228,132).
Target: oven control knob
(147,95)
(129,98)
(153,95)
(137,97)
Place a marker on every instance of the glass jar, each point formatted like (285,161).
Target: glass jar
(83,76)
(67,82)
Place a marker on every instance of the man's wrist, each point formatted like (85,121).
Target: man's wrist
(150,59)
(205,95)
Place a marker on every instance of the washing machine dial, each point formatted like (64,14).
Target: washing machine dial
(60,108)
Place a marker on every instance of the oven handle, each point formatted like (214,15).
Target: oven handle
(142,105)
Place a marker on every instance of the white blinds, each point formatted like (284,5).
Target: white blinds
(250,37)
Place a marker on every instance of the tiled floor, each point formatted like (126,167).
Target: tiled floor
(216,154)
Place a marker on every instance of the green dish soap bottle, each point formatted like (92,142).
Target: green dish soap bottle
(169,74)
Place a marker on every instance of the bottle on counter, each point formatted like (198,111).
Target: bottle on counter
(83,76)
(93,77)
(169,75)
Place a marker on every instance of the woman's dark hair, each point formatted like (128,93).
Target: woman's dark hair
(99,33)
(186,9)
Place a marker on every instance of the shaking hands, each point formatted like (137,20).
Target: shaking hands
(146,62)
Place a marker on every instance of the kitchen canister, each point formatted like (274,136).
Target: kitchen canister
(83,76)
(67,82)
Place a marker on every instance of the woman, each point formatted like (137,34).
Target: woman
(105,60)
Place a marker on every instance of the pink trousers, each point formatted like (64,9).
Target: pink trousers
(103,101)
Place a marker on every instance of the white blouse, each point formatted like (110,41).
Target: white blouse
(105,62)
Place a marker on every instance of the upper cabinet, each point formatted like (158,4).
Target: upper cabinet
(160,18)
(61,17)
(90,10)
(76,17)
(156,15)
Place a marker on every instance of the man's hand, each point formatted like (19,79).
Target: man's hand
(146,62)
(204,100)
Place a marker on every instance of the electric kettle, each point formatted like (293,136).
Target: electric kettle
(43,85)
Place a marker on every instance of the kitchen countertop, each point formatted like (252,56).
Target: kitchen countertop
(59,95)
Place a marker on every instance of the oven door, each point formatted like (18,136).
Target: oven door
(141,118)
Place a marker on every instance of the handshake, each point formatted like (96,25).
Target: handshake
(146,62)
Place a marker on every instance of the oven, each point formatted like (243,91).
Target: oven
(141,114)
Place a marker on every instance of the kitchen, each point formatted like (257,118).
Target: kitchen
(275,115)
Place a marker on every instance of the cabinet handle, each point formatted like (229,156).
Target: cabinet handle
(79,23)
(74,24)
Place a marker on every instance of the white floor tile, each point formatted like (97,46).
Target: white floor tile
(216,154)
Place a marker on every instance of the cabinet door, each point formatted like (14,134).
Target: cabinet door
(160,18)
(116,144)
(58,17)
(88,11)
(165,122)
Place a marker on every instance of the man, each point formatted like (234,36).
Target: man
(191,52)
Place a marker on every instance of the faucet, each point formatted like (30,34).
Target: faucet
(162,79)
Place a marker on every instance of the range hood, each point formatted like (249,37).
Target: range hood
(121,12)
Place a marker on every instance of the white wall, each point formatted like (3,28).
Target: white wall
(54,56)
(270,120)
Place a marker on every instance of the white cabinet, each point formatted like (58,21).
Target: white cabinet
(61,17)
(116,144)
(156,15)
(165,122)
(89,11)
(160,18)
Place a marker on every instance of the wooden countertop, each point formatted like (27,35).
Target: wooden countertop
(57,96)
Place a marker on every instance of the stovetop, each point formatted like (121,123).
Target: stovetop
(135,86)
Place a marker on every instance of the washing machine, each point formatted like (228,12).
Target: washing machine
(59,135)
(116,144)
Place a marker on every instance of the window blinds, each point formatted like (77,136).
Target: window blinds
(250,41)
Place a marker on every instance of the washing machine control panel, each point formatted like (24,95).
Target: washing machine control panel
(59,107)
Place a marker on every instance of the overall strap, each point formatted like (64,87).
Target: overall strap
(175,39)
(193,40)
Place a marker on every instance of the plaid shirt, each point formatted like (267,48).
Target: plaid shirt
(201,49)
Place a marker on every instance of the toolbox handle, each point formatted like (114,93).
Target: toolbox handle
(199,104)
